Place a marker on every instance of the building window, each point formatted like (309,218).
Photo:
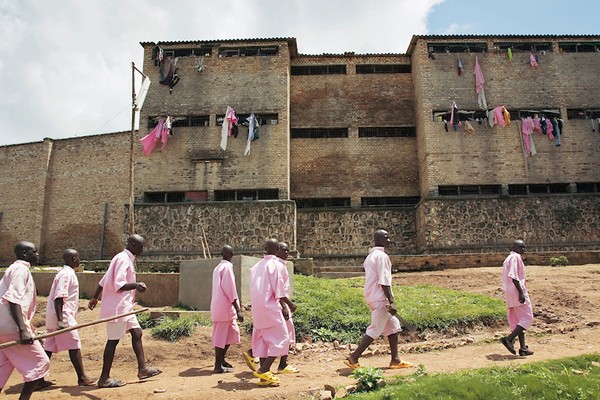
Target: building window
(579,47)
(182,121)
(312,133)
(410,201)
(523,46)
(200,52)
(470,190)
(389,131)
(246,194)
(248,51)
(327,202)
(263,119)
(462,115)
(318,70)
(164,197)
(580,113)
(457,47)
(383,69)
(588,187)
(543,188)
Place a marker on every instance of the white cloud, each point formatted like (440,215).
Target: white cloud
(65,71)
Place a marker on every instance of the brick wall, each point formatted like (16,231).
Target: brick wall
(192,160)
(352,167)
(494,155)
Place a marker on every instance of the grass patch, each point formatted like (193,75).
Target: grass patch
(171,329)
(569,378)
(335,309)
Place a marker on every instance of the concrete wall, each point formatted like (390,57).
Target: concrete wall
(195,287)
(162,288)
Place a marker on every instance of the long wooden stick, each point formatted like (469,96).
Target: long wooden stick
(72,328)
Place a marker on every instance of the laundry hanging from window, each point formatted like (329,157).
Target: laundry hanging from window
(160,134)
(226,130)
(252,132)
(168,73)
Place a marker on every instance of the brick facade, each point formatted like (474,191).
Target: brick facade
(53,192)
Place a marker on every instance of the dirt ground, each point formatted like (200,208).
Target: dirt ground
(567,323)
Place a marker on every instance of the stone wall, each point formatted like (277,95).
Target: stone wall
(559,222)
(174,231)
(342,235)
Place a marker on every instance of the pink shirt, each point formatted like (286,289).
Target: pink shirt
(224,293)
(285,276)
(513,268)
(16,287)
(120,272)
(266,288)
(65,286)
(378,273)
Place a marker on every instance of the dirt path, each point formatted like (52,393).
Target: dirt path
(567,324)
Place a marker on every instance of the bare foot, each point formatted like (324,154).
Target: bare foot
(85,381)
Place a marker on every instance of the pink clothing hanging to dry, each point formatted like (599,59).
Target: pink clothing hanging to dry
(150,141)
(533,61)
(479,82)
(499,116)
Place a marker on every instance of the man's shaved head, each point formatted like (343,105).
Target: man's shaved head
(271,246)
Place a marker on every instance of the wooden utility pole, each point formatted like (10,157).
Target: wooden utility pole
(131,138)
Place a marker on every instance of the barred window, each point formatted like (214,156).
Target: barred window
(318,133)
(164,197)
(246,194)
(389,131)
(469,190)
(579,47)
(318,70)
(408,201)
(457,47)
(327,202)
(249,51)
(383,69)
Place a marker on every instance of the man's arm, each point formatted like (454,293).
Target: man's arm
(139,286)
(238,310)
(94,300)
(58,308)
(17,313)
(387,290)
(520,290)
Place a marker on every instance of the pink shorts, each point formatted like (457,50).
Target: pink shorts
(116,330)
(225,333)
(29,359)
(521,315)
(64,341)
(271,342)
(382,322)
(291,331)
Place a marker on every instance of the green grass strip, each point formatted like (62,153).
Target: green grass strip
(335,309)
(568,378)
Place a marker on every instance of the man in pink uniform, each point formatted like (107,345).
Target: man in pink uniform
(118,287)
(380,299)
(224,310)
(282,255)
(63,302)
(520,314)
(17,306)
(270,338)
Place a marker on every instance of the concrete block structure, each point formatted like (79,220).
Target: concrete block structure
(348,143)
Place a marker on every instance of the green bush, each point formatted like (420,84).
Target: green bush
(172,329)
(368,378)
(559,261)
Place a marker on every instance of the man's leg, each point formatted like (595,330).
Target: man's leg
(393,340)
(82,378)
(362,346)
(225,363)
(107,361)
(29,388)
(138,348)
(265,364)
(219,359)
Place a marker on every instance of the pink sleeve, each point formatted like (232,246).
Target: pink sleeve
(120,274)
(62,287)
(277,282)
(384,270)
(16,289)
(228,285)
(513,264)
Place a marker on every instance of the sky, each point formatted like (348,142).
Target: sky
(65,65)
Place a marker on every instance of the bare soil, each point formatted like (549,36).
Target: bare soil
(567,323)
